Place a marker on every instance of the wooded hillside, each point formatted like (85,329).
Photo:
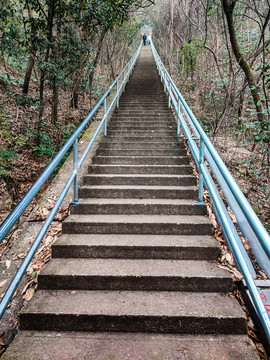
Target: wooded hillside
(218,54)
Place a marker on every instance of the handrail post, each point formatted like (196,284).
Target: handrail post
(76,169)
(170,90)
(104,113)
(165,83)
(201,162)
(123,81)
(178,118)
(117,91)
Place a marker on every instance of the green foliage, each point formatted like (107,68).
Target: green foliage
(131,28)
(10,141)
(190,51)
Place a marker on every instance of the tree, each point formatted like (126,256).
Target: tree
(228,7)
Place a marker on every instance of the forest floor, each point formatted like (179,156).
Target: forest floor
(246,168)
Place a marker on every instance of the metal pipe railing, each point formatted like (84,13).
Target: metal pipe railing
(73,179)
(205,178)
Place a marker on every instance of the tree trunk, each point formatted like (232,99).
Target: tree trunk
(241,108)
(76,87)
(95,61)
(228,8)
(28,73)
(5,65)
(54,115)
(43,74)
(31,60)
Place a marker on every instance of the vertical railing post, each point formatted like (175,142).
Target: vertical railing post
(117,91)
(123,81)
(76,169)
(104,112)
(178,117)
(201,162)
(164,82)
(170,90)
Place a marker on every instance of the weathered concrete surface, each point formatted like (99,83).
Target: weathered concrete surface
(126,179)
(131,274)
(119,246)
(139,311)
(139,206)
(145,160)
(137,224)
(141,192)
(141,169)
(128,346)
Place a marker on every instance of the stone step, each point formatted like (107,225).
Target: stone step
(143,108)
(137,106)
(138,192)
(142,120)
(134,274)
(142,133)
(139,206)
(129,311)
(141,152)
(137,224)
(140,103)
(141,138)
(110,143)
(141,160)
(153,180)
(154,111)
(123,346)
(140,127)
(140,169)
(145,118)
(130,246)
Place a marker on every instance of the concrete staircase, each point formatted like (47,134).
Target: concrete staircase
(134,274)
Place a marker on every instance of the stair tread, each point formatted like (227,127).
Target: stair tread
(123,346)
(139,187)
(135,268)
(144,241)
(137,219)
(143,166)
(135,201)
(135,303)
(142,157)
(175,176)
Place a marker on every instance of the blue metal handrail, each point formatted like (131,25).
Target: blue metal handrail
(119,83)
(198,152)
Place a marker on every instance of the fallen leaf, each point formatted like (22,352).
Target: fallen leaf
(16,292)
(29,294)
(27,286)
(220,239)
(223,257)
(8,263)
(2,283)
(73,292)
(237,275)
(228,257)
(45,212)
